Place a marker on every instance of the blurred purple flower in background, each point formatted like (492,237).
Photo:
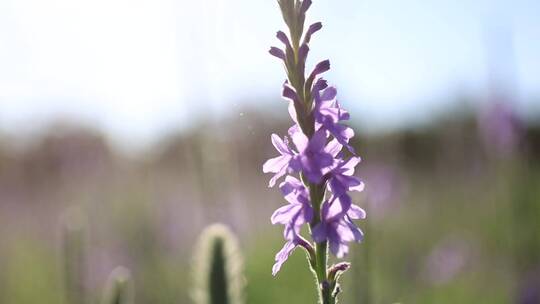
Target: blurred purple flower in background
(529,289)
(500,128)
(448,259)
(386,189)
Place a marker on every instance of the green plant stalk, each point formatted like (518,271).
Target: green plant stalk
(217,275)
(119,288)
(317,193)
(74,259)
(217,271)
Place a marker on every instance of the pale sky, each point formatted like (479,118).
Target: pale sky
(138,68)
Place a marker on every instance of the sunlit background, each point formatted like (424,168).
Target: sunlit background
(151,119)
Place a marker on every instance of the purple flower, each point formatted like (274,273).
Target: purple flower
(386,189)
(286,251)
(528,291)
(282,256)
(448,258)
(341,179)
(280,164)
(297,212)
(336,225)
(327,104)
(329,113)
(501,129)
(312,157)
(293,216)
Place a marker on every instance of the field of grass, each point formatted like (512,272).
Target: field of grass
(450,220)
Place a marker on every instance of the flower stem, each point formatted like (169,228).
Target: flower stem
(325,296)
(321,249)
(321,257)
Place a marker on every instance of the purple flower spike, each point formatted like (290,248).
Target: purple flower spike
(280,164)
(318,177)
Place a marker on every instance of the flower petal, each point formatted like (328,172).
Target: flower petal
(357,233)
(315,27)
(300,140)
(329,94)
(282,256)
(292,112)
(305,6)
(276,164)
(319,233)
(349,165)
(333,147)
(358,188)
(284,39)
(284,214)
(319,85)
(277,52)
(274,178)
(280,145)
(318,141)
(320,68)
(356,213)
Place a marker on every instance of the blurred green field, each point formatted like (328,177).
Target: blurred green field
(450,220)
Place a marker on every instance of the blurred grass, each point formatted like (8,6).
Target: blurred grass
(459,205)
(31,274)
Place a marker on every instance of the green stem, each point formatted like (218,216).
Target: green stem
(325,290)
(321,258)
(321,249)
